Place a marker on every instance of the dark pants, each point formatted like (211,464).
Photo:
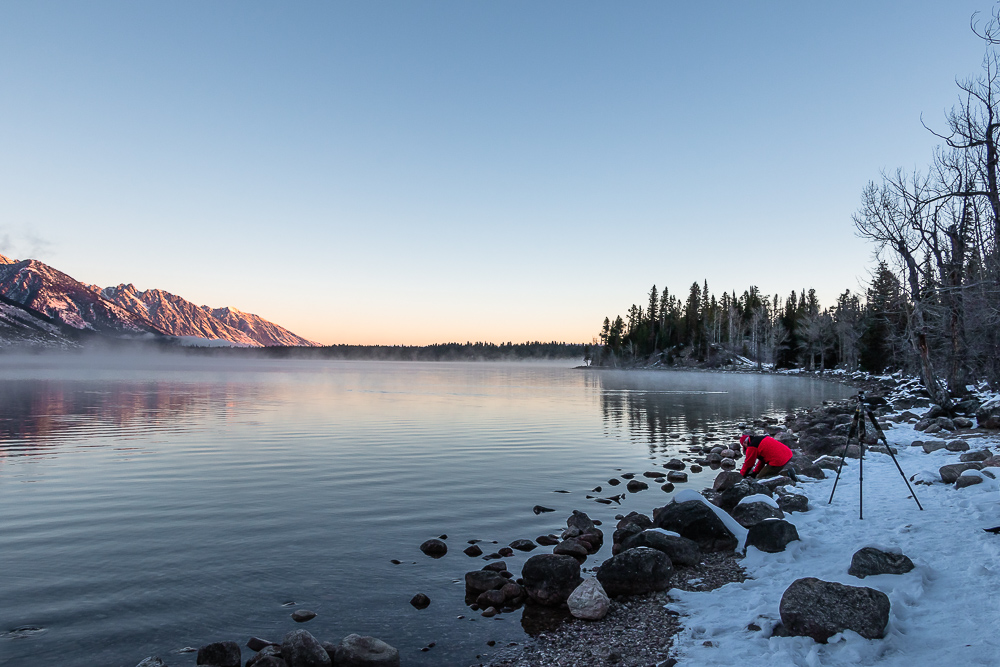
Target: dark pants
(769,471)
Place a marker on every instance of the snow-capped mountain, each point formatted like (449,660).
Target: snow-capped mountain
(57,299)
(42,288)
(22,326)
(257,328)
(172,314)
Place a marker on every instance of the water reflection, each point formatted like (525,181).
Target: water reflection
(39,415)
(661,407)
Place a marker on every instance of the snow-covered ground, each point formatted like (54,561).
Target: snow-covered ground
(944,612)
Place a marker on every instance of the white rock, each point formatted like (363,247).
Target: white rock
(589,601)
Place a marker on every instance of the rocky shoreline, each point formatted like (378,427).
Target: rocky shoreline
(618,616)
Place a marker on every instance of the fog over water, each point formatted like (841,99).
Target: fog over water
(162,501)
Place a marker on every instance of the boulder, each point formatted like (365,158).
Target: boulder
(945,423)
(434,548)
(674,464)
(772,483)
(697,522)
(988,414)
(949,473)
(548,579)
(977,455)
(267,660)
(300,649)
(572,547)
(589,601)
(473,551)
(772,535)
(271,657)
(829,462)
(358,651)
(420,601)
(967,480)
(750,514)
(793,502)
(933,445)
(258,644)
(957,446)
(820,609)
(523,545)
(640,520)
(962,422)
(803,465)
(303,615)
(677,477)
(479,581)
(635,572)
(635,486)
(870,561)
(580,521)
(680,550)
(732,496)
(726,480)
(220,654)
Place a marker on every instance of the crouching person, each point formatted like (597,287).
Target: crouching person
(765,457)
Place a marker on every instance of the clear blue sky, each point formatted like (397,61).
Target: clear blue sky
(415,172)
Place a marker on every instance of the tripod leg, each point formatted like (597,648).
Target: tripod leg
(850,434)
(861,471)
(881,435)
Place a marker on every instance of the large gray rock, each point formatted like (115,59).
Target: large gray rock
(750,514)
(589,601)
(957,446)
(933,445)
(732,496)
(358,651)
(268,657)
(976,455)
(967,480)
(820,609)
(220,654)
(434,548)
(988,414)
(681,551)
(581,522)
(726,480)
(803,465)
(772,535)
(793,502)
(550,578)
(479,581)
(696,521)
(300,649)
(870,561)
(949,473)
(635,572)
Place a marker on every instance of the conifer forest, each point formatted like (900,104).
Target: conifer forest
(932,302)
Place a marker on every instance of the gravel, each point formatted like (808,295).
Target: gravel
(637,632)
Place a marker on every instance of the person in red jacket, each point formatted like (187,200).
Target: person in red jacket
(769,455)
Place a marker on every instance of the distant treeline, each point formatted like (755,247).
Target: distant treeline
(438,352)
(933,303)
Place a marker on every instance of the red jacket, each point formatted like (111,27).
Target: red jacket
(765,450)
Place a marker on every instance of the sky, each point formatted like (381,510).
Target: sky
(410,173)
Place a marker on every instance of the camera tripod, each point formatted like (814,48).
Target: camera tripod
(858,429)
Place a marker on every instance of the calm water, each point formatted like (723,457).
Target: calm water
(149,510)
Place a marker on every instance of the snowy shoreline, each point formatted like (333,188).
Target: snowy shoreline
(941,611)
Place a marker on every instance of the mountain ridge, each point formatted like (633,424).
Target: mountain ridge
(119,311)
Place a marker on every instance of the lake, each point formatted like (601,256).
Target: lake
(156,503)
